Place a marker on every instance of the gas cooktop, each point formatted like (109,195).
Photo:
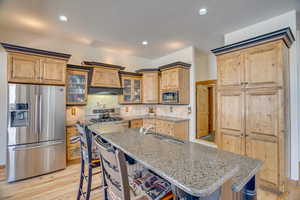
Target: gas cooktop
(108,119)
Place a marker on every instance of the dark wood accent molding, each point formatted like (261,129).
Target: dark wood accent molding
(285,34)
(102,65)
(131,73)
(15,48)
(71,66)
(2,166)
(186,65)
(147,70)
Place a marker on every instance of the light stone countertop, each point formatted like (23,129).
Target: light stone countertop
(195,168)
(160,117)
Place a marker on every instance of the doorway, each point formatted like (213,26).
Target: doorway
(206,110)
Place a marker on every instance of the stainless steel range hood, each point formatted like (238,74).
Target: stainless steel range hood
(105,90)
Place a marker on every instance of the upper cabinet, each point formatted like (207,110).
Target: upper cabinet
(105,75)
(151,79)
(132,88)
(77,83)
(27,65)
(175,83)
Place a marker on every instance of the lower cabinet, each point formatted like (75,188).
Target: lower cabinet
(73,149)
(174,129)
(136,123)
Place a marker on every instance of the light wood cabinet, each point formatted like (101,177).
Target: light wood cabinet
(73,149)
(137,123)
(132,89)
(53,71)
(105,77)
(151,87)
(176,78)
(77,86)
(252,109)
(23,68)
(174,129)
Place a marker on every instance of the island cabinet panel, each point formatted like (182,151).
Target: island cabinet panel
(23,68)
(151,87)
(105,77)
(73,149)
(230,70)
(53,71)
(253,107)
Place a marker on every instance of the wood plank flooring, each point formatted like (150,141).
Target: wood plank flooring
(63,185)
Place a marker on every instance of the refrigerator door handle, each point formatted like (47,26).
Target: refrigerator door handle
(40,114)
(36,117)
(36,146)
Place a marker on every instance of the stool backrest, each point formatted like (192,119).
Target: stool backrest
(114,169)
(85,142)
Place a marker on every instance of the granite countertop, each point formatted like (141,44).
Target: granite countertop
(195,168)
(165,118)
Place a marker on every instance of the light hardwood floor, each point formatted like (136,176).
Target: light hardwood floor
(63,185)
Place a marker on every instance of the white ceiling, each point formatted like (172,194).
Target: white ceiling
(121,25)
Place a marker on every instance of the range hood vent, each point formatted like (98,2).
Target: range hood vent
(105,90)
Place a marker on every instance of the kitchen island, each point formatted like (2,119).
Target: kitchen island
(190,167)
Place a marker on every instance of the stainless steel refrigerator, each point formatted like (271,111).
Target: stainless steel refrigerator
(36,130)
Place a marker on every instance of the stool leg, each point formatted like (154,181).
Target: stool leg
(89,183)
(81,180)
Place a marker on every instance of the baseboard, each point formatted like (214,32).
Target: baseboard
(2,166)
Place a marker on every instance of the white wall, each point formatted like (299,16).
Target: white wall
(273,24)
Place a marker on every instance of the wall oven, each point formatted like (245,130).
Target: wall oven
(170,97)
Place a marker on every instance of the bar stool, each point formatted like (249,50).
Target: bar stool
(114,171)
(87,160)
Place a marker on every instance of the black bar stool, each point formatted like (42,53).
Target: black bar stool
(89,160)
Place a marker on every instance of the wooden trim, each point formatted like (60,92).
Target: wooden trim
(99,64)
(175,64)
(15,48)
(208,82)
(285,34)
(2,166)
(130,73)
(147,70)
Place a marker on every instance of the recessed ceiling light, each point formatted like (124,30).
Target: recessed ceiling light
(63,18)
(145,42)
(203,11)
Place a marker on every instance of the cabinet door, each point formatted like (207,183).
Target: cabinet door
(137,91)
(164,80)
(263,67)
(150,85)
(264,111)
(173,79)
(266,150)
(231,123)
(23,68)
(53,71)
(127,90)
(230,70)
(103,77)
(77,87)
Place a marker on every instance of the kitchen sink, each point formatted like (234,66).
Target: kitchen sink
(165,138)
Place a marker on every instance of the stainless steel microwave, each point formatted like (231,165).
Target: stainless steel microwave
(170,97)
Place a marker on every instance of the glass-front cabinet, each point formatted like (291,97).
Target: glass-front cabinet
(132,88)
(77,86)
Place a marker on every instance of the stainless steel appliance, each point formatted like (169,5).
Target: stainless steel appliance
(36,130)
(170,97)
